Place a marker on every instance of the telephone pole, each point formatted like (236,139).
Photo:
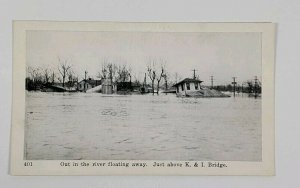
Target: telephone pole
(194,76)
(145,81)
(234,83)
(166,81)
(255,87)
(85,73)
(212,81)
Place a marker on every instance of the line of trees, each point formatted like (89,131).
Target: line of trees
(246,87)
(156,71)
(119,72)
(38,77)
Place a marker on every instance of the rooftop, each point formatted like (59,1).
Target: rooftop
(188,80)
(92,81)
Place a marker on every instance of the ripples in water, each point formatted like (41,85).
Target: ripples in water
(94,126)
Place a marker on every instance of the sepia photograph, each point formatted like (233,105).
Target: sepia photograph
(144,95)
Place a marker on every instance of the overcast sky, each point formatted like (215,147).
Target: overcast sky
(222,55)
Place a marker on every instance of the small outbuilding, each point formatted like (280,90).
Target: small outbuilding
(187,85)
(87,84)
(192,88)
(108,86)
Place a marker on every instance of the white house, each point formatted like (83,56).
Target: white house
(192,88)
(186,86)
(87,84)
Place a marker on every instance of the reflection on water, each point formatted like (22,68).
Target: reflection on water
(141,127)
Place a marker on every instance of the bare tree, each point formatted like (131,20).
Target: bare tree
(70,79)
(160,76)
(166,77)
(52,77)
(155,73)
(34,79)
(34,74)
(120,73)
(151,72)
(99,75)
(123,73)
(63,69)
(104,70)
(46,75)
(111,71)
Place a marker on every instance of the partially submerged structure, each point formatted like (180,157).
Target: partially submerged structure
(192,88)
(187,85)
(87,84)
(124,86)
(108,86)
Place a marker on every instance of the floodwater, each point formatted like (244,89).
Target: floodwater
(93,126)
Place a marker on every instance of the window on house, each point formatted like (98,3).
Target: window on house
(177,88)
(196,86)
(188,86)
(182,87)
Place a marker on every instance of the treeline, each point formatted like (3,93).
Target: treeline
(38,77)
(65,76)
(247,87)
(155,73)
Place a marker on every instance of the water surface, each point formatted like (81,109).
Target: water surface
(93,126)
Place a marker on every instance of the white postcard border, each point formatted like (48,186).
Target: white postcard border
(19,166)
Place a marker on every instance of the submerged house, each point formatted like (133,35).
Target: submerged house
(124,86)
(108,86)
(87,84)
(187,85)
(192,88)
(146,88)
(127,87)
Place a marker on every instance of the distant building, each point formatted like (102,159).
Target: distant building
(124,86)
(108,86)
(146,88)
(87,84)
(187,85)
(192,88)
(136,86)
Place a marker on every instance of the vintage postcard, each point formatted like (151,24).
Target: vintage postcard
(115,98)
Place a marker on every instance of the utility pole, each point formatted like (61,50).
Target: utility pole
(194,76)
(85,73)
(255,87)
(144,81)
(234,83)
(166,81)
(242,89)
(212,81)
